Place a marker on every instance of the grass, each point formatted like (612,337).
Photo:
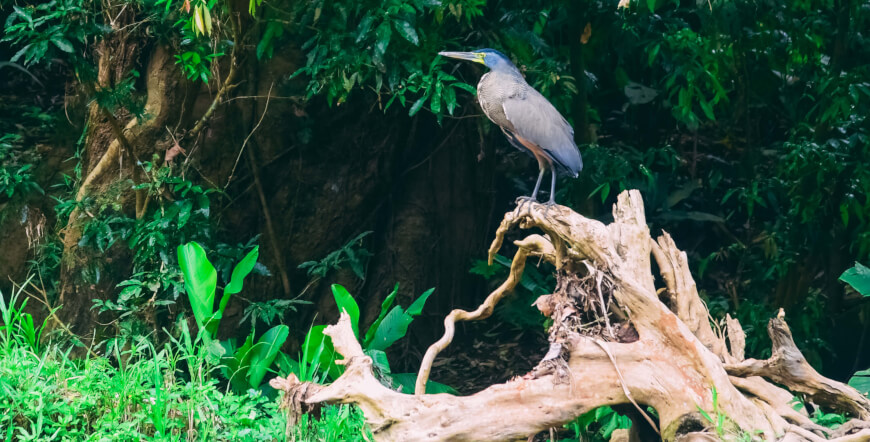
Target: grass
(140,393)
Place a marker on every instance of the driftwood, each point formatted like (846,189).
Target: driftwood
(616,339)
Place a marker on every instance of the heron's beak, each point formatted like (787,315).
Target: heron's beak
(470,56)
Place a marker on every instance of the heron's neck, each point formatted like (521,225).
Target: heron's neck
(504,67)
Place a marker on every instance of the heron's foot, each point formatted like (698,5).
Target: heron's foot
(549,205)
(525,200)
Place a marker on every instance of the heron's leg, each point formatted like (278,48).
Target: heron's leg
(538,184)
(552,201)
(534,198)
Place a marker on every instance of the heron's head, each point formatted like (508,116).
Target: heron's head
(491,58)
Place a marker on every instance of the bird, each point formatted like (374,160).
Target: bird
(529,121)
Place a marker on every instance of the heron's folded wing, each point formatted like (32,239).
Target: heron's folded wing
(535,119)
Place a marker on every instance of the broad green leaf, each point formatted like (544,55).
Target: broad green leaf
(465,87)
(861,381)
(241,270)
(318,352)
(435,101)
(859,278)
(215,351)
(382,41)
(236,365)
(418,105)
(264,353)
(287,365)
(62,44)
(364,26)
(385,307)
(200,281)
(708,110)
(347,304)
(393,328)
(407,31)
(417,306)
(379,361)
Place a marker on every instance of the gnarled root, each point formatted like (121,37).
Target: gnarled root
(613,341)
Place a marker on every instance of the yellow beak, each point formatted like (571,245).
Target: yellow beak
(476,57)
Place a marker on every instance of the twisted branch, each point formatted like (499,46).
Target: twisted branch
(534,243)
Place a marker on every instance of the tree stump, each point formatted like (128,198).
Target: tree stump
(616,339)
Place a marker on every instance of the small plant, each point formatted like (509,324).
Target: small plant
(719,420)
(18,328)
(244,366)
(15,176)
(724,426)
(351,254)
(597,425)
(200,279)
(318,355)
(269,311)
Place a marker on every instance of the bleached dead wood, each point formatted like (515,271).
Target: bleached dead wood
(614,340)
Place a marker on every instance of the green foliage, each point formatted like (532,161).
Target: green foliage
(398,37)
(317,361)
(597,425)
(336,423)
(718,419)
(346,304)
(693,81)
(861,381)
(47,395)
(858,277)
(18,328)
(153,240)
(148,393)
(351,254)
(246,366)
(193,22)
(200,281)
(16,177)
(141,400)
(819,416)
(49,30)
(269,311)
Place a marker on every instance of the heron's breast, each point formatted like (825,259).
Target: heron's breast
(491,93)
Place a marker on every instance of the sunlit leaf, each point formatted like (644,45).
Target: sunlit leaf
(858,277)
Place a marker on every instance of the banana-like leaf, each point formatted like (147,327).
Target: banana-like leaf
(200,281)
(395,324)
(347,304)
(264,353)
(385,307)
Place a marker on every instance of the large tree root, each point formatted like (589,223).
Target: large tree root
(614,340)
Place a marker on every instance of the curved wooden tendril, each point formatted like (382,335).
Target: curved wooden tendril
(531,245)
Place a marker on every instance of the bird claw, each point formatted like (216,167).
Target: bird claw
(549,205)
(523,200)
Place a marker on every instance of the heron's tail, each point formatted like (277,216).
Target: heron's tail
(568,160)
